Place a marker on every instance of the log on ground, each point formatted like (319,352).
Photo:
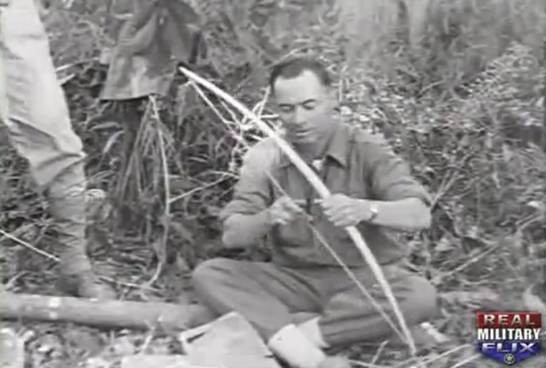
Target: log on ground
(101,313)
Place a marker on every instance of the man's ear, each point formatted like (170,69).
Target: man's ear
(332,98)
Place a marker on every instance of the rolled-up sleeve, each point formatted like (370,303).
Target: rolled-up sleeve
(389,176)
(252,193)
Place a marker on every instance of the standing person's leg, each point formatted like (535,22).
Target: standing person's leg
(39,127)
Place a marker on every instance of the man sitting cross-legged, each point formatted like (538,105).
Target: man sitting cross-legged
(371,189)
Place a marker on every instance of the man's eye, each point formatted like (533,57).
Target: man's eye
(286,109)
(309,106)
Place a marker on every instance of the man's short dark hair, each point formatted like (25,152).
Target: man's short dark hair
(296,66)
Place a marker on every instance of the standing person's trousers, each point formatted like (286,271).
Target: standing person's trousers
(269,296)
(33,107)
(32,102)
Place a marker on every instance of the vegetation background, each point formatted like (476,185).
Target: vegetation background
(456,86)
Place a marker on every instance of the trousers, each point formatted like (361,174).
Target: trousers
(32,103)
(269,296)
(34,110)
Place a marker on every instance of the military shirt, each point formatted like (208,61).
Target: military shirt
(356,163)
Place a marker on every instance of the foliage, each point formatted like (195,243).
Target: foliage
(456,86)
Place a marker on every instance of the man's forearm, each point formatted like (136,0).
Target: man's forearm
(245,230)
(406,214)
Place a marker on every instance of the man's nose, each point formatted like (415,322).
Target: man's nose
(298,117)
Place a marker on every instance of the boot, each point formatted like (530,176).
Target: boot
(86,285)
(67,205)
(311,329)
(292,346)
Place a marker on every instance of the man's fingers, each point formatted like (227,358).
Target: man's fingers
(338,211)
(292,207)
(284,218)
(342,218)
(344,222)
(332,205)
(337,217)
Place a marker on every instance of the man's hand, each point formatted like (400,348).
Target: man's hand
(345,211)
(284,211)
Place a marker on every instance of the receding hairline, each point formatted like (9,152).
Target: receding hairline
(295,67)
(300,75)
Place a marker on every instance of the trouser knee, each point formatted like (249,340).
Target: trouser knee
(211,274)
(425,303)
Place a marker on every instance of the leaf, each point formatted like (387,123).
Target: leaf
(123,346)
(143,61)
(445,244)
(178,227)
(106,125)
(533,301)
(160,250)
(537,205)
(121,7)
(181,24)
(49,343)
(97,362)
(139,41)
(155,361)
(363,23)
(184,96)
(471,299)
(84,339)
(111,141)
(137,76)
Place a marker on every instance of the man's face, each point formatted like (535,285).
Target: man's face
(304,105)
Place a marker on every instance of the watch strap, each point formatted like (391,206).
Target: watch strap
(374,210)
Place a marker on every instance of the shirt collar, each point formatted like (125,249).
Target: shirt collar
(337,147)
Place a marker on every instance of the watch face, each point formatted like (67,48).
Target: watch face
(374,212)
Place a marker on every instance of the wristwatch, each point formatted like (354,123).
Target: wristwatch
(374,210)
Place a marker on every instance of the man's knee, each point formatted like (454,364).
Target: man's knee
(424,301)
(213,272)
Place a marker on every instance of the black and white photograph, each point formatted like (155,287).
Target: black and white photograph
(272,183)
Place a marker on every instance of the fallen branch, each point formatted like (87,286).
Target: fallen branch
(321,189)
(113,314)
